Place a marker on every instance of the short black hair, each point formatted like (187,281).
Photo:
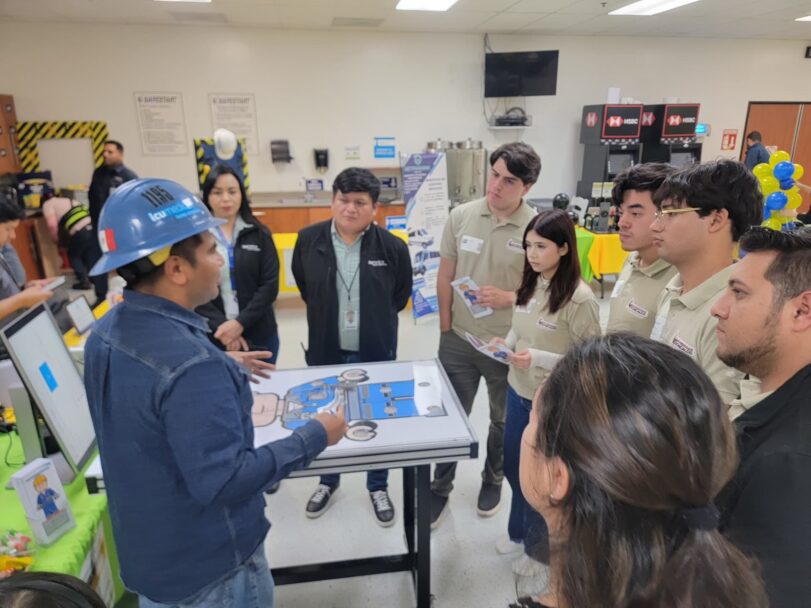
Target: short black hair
(112,142)
(790,272)
(755,136)
(356,179)
(721,184)
(47,590)
(521,160)
(646,177)
(10,209)
(144,272)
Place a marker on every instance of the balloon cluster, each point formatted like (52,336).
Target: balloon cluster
(781,196)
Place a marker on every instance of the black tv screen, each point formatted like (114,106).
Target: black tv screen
(520,74)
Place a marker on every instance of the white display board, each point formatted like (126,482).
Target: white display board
(162,123)
(396,407)
(237,113)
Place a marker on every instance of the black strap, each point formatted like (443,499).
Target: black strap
(701,518)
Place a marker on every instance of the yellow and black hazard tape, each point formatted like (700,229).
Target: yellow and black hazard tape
(203,169)
(30,132)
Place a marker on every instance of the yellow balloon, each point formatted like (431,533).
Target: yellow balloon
(779,157)
(763,170)
(768,185)
(798,171)
(794,200)
(772,223)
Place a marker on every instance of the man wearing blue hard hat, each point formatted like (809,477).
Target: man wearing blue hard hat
(172,413)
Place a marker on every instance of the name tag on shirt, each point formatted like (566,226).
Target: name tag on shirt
(515,246)
(351,321)
(471,244)
(637,310)
(250,247)
(548,325)
(681,345)
(377,263)
(617,289)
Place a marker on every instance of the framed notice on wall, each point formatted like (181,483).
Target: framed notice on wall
(237,113)
(161,123)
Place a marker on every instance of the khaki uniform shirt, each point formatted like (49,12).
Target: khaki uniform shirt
(687,325)
(536,328)
(491,253)
(634,301)
(751,395)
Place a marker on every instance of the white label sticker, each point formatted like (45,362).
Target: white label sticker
(472,244)
(617,289)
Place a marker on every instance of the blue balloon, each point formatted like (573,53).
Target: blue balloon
(787,184)
(783,170)
(776,201)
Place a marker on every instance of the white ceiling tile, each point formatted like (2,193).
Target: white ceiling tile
(540,6)
(492,6)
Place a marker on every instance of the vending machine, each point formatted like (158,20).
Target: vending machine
(610,133)
(669,134)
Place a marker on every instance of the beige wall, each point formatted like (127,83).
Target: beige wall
(331,89)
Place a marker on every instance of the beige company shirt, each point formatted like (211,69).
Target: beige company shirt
(536,328)
(634,301)
(685,323)
(489,251)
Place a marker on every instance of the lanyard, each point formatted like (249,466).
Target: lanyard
(231,265)
(351,283)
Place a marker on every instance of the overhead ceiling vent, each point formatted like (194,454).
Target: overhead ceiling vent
(356,22)
(195,17)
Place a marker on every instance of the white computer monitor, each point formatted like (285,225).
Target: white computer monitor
(44,364)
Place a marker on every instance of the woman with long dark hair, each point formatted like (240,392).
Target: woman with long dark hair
(554,308)
(627,447)
(241,317)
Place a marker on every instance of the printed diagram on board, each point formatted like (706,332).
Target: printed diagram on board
(365,403)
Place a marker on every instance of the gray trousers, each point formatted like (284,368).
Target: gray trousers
(465,366)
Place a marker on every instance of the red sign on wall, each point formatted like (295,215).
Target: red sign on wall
(729,140)
(591,119)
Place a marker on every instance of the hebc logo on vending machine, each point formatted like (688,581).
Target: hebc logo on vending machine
(622,121)
(680,120)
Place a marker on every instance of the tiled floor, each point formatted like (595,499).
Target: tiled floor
(465,568)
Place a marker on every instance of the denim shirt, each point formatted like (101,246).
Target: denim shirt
(172,418)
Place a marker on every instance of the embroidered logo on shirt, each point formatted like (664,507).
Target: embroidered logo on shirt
(636,309)
(251,247)
(681,345)
(547,324)
(377,263)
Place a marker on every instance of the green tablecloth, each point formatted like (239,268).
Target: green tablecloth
(584,241)
(68,553)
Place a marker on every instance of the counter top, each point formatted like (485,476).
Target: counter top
(281,200)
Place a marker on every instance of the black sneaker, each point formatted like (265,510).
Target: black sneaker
(384,510)
(489,499)
(82,285)
(319,501)
(438,508)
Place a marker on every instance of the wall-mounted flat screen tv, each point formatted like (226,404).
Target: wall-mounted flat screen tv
(520,74)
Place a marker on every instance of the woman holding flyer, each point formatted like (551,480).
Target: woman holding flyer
(554,308)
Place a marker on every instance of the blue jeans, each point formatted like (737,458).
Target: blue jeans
(375,480)
(248,586)
(525,524)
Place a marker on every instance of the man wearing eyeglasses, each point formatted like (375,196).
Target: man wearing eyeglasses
(644,274)
(701,213)
(354,277)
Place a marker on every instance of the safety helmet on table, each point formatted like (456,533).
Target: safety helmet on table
(143,218)
(561,201)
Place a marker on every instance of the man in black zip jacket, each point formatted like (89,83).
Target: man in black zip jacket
(764,329)
(354,277)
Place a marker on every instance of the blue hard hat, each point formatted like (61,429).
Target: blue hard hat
(145,215)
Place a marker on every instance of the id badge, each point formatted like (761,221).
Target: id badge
(351,320)
(231,306)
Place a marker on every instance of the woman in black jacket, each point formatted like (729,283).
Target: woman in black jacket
(241,317)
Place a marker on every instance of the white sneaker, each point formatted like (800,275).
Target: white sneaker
(506,545)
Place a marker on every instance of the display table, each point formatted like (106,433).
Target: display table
(600,254)
(68,554)
(400,415)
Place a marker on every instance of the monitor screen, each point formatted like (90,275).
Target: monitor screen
(50,375)
(520,74)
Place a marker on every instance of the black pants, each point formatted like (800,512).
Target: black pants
(84,251)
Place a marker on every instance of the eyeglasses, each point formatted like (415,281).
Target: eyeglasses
(661,214)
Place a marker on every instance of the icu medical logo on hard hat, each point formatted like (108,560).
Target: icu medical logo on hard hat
(615,121)
(107,240)
(591,119)
(167,206)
